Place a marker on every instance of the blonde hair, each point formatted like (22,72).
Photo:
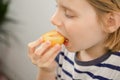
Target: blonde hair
(108,6)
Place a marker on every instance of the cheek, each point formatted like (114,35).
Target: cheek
(90,37)
(72,30)
(83,36)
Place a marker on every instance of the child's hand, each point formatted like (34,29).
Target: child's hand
(43,55)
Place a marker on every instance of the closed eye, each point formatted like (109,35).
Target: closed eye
(69,16)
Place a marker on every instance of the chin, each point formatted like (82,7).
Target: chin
(75,49)
(70,49)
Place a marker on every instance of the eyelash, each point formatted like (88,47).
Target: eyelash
(68,16)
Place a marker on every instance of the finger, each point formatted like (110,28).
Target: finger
(51,59)
(43,48)
(36,56)
(50,54)
(33,45)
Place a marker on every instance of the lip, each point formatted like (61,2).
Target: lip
(66,42)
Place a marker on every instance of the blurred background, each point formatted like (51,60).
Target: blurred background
(32,19)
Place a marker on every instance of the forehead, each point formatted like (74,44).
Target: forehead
(72,1)
(76,5)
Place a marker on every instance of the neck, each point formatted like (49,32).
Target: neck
(92,53)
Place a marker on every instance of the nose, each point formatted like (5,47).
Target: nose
(56,19)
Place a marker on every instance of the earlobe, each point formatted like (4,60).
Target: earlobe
(113,22)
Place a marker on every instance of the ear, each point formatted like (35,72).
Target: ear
(112,22)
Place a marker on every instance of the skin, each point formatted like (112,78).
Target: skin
(42,55)
(77,21)
(80,27)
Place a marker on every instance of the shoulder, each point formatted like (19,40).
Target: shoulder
(115,54)
(113,60)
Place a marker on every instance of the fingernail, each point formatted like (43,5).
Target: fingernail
(48,42)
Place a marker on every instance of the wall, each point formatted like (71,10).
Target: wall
(33,19)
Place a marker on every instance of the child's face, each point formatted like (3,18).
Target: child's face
(77,21)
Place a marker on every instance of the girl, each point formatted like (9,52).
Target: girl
(92,32)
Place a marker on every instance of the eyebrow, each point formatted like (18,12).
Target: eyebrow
(68,8)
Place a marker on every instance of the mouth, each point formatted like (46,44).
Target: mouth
(66,40)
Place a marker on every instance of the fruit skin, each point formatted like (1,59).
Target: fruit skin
(54,37)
